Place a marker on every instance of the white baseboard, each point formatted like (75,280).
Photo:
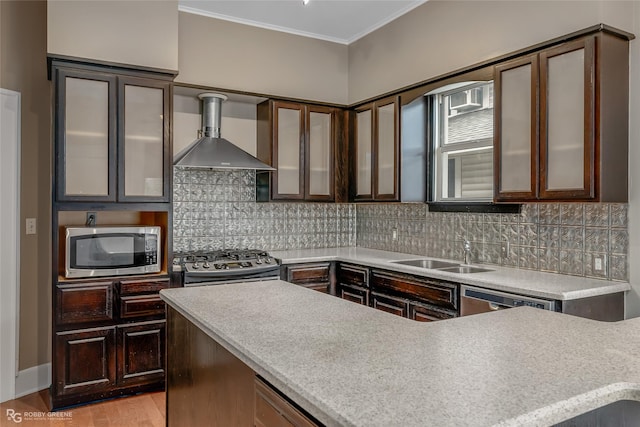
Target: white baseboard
(33,379)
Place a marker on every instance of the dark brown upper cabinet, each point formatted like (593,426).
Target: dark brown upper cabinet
(303,143)
(375,151)
(561,123)
(112,136)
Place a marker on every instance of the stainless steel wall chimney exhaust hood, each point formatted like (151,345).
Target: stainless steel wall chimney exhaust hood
(212,151)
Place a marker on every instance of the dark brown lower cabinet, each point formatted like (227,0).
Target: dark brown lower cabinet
(141,353)
(434,292)
(84,303)
(143,305)
(417,298)
(424,313)
(86,361)
(393,305)
(209,386)
(353,293)
(316,276)
(352,283)
(109,339)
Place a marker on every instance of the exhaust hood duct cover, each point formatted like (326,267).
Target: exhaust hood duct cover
(212,151)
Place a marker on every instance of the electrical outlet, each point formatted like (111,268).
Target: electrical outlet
(91,219)
(394,234)
(598,263)
(31,226)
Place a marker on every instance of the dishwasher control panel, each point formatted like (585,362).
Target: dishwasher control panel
(523,303)
(498,299)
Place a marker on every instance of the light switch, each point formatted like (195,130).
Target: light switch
(31,226)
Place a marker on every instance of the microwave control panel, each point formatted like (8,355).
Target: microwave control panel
(151,249)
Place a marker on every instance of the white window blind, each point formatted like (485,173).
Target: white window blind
(476,178)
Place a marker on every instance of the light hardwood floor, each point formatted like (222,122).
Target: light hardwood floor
(144,410)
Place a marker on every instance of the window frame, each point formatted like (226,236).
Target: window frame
(434,139)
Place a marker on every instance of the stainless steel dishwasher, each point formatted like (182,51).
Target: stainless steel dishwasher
(478,300)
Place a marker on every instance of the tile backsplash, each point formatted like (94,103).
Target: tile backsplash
(556,237)
(218,209)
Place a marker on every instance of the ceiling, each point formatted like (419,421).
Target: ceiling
(339,21)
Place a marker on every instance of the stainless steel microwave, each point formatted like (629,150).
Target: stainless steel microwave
(111,251)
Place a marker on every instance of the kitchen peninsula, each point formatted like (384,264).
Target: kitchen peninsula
(333,362)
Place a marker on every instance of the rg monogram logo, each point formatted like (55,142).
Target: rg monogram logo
(14,416)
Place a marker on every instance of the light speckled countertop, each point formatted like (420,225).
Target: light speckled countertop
(526,282)
(350,365)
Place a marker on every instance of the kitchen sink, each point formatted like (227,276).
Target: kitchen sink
(427,263)
(623,413)
(465,269)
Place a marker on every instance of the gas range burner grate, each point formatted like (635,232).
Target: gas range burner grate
(220,256)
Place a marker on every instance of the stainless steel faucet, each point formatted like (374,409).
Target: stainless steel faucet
(467,252)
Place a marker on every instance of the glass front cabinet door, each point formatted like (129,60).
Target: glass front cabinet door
(112,137)
(376,146)
(387,141)
(144,155)
(567,89)
(562,123)
(299,141)
(320,147)
(364,155)
(515,134)
(288,150)
(86,136)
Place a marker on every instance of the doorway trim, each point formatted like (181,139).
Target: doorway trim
(10,104)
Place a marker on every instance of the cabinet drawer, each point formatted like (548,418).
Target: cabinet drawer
(439,293)
(355,294)
(308,273)
(352,275)
(393,305)
(84,303)
(141,305)
(271,409)
(424,313)
(136,287)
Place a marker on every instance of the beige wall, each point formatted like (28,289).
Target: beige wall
(441,36)
(23,68)
(238,123)
(143,33)
(633,299)
(228,55)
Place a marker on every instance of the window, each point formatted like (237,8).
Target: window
(461,118)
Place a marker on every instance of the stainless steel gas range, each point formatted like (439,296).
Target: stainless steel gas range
(225,266)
